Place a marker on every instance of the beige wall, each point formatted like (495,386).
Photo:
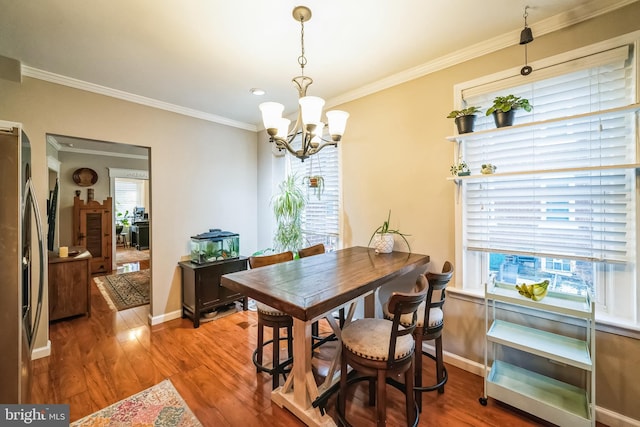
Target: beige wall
(203,175)
(395,156)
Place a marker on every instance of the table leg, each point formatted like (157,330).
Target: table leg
(298,399)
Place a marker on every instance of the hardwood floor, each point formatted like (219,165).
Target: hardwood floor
(100,360)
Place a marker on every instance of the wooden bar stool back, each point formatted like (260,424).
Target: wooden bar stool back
(381,349)
(429,327)
(274,319)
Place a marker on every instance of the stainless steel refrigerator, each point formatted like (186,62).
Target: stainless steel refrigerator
(22,266)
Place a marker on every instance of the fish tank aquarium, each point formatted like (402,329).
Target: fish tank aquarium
(214,245)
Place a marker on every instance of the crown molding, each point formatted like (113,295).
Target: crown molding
(565,19)
(554,23)
(126,96)
(103,153)
(52,142)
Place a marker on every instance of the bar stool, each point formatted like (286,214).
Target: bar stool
(274,319)
(381,349)
(429,327)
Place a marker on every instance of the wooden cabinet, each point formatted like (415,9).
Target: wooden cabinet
(92,229)
(69,284)
(544,396)
(140,235)
(201,289)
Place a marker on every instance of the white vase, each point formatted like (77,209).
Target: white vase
(383,243)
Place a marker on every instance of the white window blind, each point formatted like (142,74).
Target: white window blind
(320,220)
(572,193)
(129,193)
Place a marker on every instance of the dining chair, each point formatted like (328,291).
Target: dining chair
(311,250)
(274,319)
(378,349)
(429,327)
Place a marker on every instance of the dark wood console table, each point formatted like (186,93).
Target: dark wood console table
(201,290)
(69,283)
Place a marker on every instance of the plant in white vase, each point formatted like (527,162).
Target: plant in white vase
(382,237)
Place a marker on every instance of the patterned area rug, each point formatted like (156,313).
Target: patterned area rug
(160,405)
(125,290)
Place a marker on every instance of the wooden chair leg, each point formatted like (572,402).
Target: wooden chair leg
(381,398)
(289,342)
(275,378)
(372,392)
(342,399)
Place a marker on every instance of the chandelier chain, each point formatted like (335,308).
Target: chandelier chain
(302,60)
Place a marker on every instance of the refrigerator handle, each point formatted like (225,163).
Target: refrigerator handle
(30,196)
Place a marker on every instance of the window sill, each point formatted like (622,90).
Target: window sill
(604,323)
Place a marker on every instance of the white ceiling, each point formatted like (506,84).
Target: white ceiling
(205,55)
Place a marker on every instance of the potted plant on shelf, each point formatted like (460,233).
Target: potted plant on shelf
(288,206)
(460,168)
(465,119)
(382,238)
(503,109)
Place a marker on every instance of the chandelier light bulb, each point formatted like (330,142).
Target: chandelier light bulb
(311,109)
(317,133)
(271,114)
(283,128)
(337,123)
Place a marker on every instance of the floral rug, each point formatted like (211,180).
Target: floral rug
(160,405)
(125,290)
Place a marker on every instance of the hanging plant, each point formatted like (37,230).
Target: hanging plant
(314,181)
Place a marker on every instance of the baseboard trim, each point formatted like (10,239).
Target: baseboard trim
(40,352)
(603,415)
(156,320)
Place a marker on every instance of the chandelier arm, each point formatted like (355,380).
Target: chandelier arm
(326,144)
(282,143)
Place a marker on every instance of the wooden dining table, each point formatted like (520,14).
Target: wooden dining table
(309,289)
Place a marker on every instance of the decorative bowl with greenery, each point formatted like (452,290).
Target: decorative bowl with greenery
(465,119)
(382,237)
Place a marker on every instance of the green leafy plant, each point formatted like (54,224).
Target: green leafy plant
(508,103)
(288,206)
(469,111)
(385,229)
(122,218)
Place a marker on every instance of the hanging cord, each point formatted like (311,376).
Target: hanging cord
(526,70)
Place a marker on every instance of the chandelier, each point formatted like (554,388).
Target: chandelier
(308,124)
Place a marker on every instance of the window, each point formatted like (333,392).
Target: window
(320,220)
(129,194)
(562,205)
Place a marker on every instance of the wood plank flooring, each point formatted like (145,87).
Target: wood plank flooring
(99,360)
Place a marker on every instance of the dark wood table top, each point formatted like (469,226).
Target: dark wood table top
(309,287)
